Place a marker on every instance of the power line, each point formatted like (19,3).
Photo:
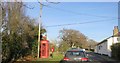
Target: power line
(52,2)
(68,11)
(28,7)
(76,13)
(48,2)
(80,23)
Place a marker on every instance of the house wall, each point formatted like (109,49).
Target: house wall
(96,49)
(102,48)
(105,47)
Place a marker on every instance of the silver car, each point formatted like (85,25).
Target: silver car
(75,55)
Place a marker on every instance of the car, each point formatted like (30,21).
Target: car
(83,49)
(78,55)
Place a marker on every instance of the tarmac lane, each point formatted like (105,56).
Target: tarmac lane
(96,58)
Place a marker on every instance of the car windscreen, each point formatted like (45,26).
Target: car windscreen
(75,53)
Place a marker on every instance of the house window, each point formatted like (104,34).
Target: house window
(99,47)
(118,39)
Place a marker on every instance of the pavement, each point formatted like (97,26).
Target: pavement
(97,58)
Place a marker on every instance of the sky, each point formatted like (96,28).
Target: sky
(77,12)
(61,0)
(119,16)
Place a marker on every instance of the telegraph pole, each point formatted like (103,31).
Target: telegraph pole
(1,30)
(40,21)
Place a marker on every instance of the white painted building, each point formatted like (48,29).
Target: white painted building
(104,47)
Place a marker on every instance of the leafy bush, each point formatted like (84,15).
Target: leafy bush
(116,51)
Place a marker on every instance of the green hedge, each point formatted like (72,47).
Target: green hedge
(116,51)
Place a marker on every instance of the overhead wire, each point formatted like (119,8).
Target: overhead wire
(28,7)
(80,23)
(68,11)
(77,13)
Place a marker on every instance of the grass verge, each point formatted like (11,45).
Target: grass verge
(56,57)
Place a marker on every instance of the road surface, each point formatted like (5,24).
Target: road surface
(96,58)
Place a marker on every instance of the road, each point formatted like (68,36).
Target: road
(96,58)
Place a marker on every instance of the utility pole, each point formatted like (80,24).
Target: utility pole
(0,31)
(40,21)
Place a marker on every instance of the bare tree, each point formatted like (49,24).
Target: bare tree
(91,43)
(73,38)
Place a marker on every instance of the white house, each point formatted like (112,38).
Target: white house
(104,47)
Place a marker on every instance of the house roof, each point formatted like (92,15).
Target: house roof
(104,40)
(118,35)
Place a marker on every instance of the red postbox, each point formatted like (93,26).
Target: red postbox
(52,49)
(44,48)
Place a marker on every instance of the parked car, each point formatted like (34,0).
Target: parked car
(83,49)
(78,55)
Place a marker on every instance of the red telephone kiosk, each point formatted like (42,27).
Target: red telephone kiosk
(44,49)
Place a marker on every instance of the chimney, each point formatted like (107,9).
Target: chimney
(115,31)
